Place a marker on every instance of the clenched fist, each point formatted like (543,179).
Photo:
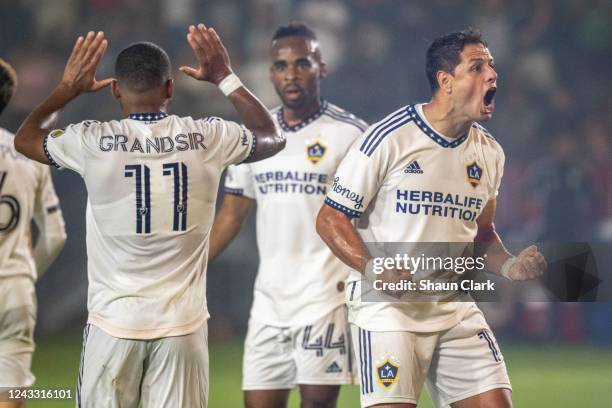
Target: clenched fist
(529,264)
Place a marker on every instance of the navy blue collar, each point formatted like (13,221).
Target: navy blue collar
(148,117)
(304,123)
(433,135)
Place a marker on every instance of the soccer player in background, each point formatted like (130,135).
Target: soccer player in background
(435,149)
(26,194)
(152,181)
(298,332)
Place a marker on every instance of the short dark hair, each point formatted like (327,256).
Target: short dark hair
(294,29)
(444,53)
(142,66)
(8,81)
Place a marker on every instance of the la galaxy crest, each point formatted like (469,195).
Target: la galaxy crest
(315,150)
(387,371)
(474,174)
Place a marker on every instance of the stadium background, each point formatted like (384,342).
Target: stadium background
(552,118)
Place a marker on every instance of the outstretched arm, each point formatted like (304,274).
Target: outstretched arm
(227,223)
(79,76)
(529,264)
(214,66)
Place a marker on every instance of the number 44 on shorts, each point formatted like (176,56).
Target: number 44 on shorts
(318,344)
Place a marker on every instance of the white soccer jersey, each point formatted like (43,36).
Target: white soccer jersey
(152,181)
(299,279)
(409,184)
(26,193)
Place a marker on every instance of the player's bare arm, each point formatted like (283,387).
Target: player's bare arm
(50,224)
(336,230)
(214,66)
(79,76)
(529,264)
(227,223)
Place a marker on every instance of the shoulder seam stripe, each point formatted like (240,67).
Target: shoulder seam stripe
(343,113)
(484,130)
(381,131)
(381,123)
(338,110)
(347,120)
(355,123)
(391,117)
(384,134)
(347,117)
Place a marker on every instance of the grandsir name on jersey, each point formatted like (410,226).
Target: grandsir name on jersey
(164,144)
(298,277)
(408,184)
(152,181)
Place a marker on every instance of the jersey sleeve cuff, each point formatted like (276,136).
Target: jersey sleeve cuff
(234,191)
(337,206)
(253,145)
(53,162)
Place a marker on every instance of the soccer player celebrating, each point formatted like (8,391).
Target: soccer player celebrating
(152,181)
(26,194)
(416,155)
(298,332)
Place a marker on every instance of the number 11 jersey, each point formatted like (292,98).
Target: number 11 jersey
(152,181)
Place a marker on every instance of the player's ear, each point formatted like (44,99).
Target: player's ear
(114,88)
(445,81)
(322,70)
(169,88)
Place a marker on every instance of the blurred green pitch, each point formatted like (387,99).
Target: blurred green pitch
(542,376)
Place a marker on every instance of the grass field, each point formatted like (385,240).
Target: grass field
(541,376)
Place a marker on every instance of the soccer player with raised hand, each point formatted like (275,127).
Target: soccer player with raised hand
(152,181)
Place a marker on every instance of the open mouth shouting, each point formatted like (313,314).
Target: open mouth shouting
(488,101)
(292,92)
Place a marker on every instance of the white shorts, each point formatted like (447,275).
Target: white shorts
(17,321)
(277,358)
(457,363)
(165,372)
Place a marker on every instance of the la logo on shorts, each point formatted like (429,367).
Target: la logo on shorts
(387,372)
(315,150)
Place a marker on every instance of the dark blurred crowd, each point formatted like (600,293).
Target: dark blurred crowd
(553,108)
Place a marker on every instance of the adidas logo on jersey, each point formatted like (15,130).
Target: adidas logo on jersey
(333,368)
(413,168)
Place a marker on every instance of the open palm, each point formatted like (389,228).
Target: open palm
(80,71)
(212,57)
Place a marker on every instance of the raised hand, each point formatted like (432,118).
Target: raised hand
(80,72)
(529,264)
(212,57)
